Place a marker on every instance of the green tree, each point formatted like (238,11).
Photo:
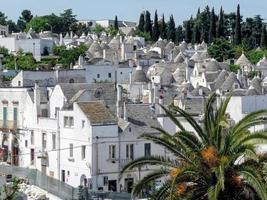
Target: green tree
(26,16)
(155,30)
(38,24)
(98,29)
(163,28)
(188,30)
(238,39)
(148,24)
(141,24)
(263,37)
(203,162)
(221,50)
(116,25)
(68,18)
(179,36)
(212,31)
(3,19)
(196,34)
(220,28)
(171,29)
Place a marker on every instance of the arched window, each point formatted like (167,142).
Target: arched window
(71,80)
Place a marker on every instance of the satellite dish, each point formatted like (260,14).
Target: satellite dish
(98,93)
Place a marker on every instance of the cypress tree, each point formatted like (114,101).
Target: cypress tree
(171,29)
(220,28)
(188,31)
(141,24)
(237,38)
(263,37)
(196,34)
(212,31)
(116,25)
(179,35)
(163,33)
(148,25)
(155,30)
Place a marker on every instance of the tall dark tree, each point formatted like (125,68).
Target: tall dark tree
(26,15)
(141,24)
(220,28)
(263,37)
(148,24)
(179,36)
(171,29)
(237,38)
(204,21)
(188,30)
(196,34)
(155,30)
(257,29)
(212,31)
(116,25)
(163,27)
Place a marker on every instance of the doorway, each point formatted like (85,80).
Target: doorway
(129,184)
(112,185)
(63,176)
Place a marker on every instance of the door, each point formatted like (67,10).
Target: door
(129,184)
(112,185)
(32,157)
(63,176)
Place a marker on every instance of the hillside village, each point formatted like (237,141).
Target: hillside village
(81,125)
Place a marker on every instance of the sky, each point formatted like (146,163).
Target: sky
(129,9)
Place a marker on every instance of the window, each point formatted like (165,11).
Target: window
(4,117)
(44,113)
(130,151)
(112,151)
(71,150)
(71,81)
(32,138)
(83,152)
(44,139)
(109,75)
(147,149)
(19,83)
(130,129)
(56,110)
(121,73)
(53,141)
(15,117)
(26,143)
(105,180)
(98,75)
(83,123)
(68,122)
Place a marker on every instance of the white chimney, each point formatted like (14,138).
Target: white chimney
(80,61)
(125,117)
(161,102)
(37,99)
(118,100)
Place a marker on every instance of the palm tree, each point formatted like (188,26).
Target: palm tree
(216,161)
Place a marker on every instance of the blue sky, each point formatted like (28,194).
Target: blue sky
(129,9)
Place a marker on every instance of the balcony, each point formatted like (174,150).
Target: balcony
(8,125)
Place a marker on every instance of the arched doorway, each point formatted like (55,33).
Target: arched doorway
(83,181)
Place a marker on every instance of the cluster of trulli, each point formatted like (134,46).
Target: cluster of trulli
(193,74)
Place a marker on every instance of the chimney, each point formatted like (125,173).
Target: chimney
(118,100)
(187,70)
(37,99)
(104,54)
(71,34)
(80,61)
(61,43)
(200,91)
(161,102)
(130,78)
(125,117)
